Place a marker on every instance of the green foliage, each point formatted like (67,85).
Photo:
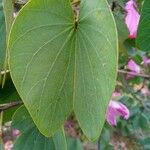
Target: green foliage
(8,94)
(2,36)
(136,128)
(63,62)
(105,138)
(31,138)
(143,37)
(60,65)
(122,31)
(74,144)
(6,19)
(1,146)
(8,11)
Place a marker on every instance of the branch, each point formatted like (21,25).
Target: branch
(120,71)
(99,142)
(134,74)
(6,106)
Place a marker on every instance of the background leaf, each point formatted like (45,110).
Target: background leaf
(2,36)
(143,37)
(69,67)
(31,138)
(6,19)
(74,144)
(8,94)
(8,11)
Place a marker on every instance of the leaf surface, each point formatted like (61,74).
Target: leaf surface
(59,66)
(74,144)
(2,36)
(31,138)
(143,38)
(8,94)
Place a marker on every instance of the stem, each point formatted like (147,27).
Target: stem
(134,74)
(1,121)
(98,144)
(6,106)
(75,2)
(119,71)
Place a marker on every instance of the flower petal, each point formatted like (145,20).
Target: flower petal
(133,66)
(116,109)
(132,18)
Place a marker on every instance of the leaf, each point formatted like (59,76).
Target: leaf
(122,31)
(8,12)
(74,144)
(143,38)
(2,36)
(1,146)
(8,94)
(59,65)
(31,138)
(6,18)
(22,120)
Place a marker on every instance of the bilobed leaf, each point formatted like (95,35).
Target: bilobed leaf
(143,38)
(59,66)
(31,138)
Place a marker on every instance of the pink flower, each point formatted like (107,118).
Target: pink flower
(116,109)
(132,66)
(132,18)
(8,145)
(145,91)
(15,132)
(146,60)
(116,94)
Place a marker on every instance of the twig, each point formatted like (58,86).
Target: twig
(134,74)
(120,71)
(98,144)
(75,2)
(6,106)
(1,121)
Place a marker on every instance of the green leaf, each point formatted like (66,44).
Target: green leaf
(74,144)
(22,120)
(143,38)
(8,11)
(8,94)
(6,19)
(122,31)
(2,36)
(31,138)
(59,65)
(1,146)
(144,121)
